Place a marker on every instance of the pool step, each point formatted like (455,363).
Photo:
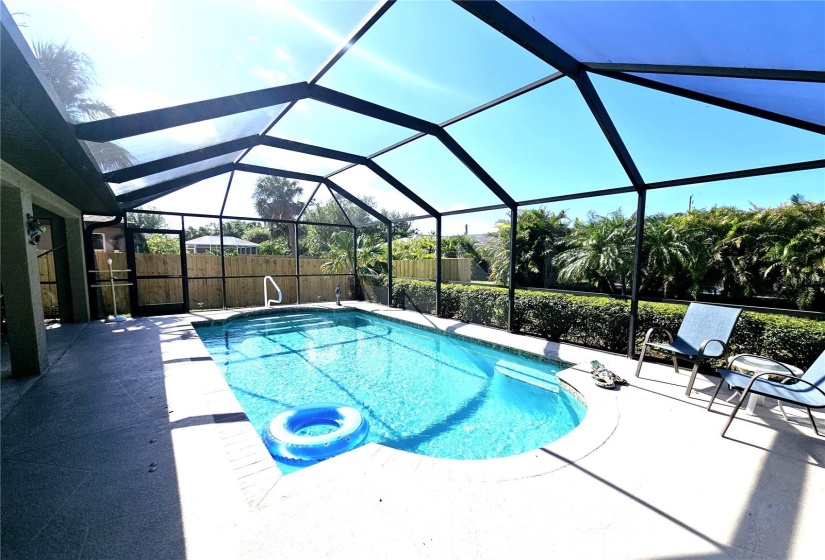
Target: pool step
(531,376)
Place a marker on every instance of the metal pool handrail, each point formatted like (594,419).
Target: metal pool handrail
(267,301)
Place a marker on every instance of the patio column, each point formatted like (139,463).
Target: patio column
(20,275)
(77,272)
(637,272)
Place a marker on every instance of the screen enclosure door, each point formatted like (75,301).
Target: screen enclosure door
(157,259)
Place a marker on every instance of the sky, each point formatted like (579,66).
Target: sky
(434,61)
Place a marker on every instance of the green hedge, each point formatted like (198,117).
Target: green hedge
(601,322)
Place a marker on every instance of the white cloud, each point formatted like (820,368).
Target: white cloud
(254,39)
(126,26)
(270,77)
(282,54)
(195,134)
(125,100)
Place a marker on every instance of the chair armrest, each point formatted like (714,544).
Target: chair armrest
(797,379)
(725,347)
(652,330)
(732,359)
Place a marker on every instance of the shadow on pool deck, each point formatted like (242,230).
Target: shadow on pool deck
(121,451)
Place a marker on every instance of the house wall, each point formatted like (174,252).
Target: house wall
(19,268)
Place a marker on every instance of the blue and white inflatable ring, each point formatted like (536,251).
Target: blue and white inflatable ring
(287,445)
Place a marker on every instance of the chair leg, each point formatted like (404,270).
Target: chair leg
(811,416)
(675,363)
(735,410)
(716,392)
(693,376)
(641,359)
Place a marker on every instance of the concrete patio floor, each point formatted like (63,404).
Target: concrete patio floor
(132,446)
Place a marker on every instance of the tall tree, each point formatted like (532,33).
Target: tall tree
(72,76)
(276,198)
(600,251)
(538,234)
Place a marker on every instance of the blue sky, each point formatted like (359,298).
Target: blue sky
(430,59)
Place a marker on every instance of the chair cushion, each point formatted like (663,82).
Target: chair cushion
(800,393)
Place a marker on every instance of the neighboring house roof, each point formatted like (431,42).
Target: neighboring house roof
(228,241)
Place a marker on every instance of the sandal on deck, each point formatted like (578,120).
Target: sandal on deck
(604,381)
(600,371)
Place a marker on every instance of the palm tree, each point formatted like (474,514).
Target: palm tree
(538,234)
(600,251)
(666,249)
(372,259)
(797,262)
(276,198)
(72,76)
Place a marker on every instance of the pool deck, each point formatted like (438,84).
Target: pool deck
(132,446)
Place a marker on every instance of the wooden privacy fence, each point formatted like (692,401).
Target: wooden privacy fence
(452,270)
(48,286)
(207,293)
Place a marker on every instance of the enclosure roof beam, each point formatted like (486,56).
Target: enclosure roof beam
(307,203)
(506,97)
(474,167)
(294,146)
(594,103)
(710,71)
(261,170)
(369,109)
(332,186)
(360,30)
(400,187)
(147,194)
(712,100)
(105,130)
(741,174)
(513,27)
(179,160)
(340,207)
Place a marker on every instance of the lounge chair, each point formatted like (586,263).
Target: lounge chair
(807,391)
(704,333)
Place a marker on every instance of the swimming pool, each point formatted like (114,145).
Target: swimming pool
(420,391)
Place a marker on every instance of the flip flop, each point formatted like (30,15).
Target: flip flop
(604,381)
(598,369)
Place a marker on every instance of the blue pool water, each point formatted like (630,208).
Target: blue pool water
(420,391)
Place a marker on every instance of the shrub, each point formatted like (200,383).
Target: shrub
(601,322)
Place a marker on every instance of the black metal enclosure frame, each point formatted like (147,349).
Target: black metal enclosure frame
(506,23)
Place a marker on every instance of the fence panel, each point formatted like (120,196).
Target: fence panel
(452,270)
(240,292)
